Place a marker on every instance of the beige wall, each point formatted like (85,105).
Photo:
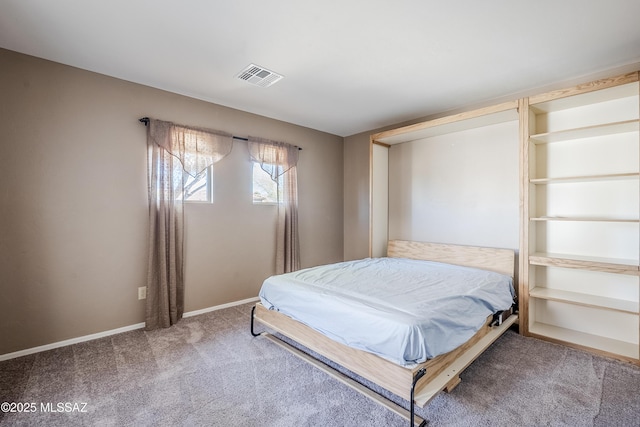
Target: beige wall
(356,196)
(475,201)
(459,188)
(73,203)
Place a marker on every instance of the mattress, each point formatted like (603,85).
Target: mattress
(407,311)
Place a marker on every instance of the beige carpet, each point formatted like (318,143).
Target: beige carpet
(210,371)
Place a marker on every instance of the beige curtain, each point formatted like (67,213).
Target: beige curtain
(173,150)
(279,158)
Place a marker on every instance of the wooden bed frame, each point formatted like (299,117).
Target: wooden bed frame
(442,372)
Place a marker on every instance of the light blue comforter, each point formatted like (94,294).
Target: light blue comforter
(406,311)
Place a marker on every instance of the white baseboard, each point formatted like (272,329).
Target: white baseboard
(69,342)
(90,337)
(220,307)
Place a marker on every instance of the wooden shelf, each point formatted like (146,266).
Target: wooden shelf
(590,219)
(586,300)
(585,178)
(607,265)
(604,90)
(630,351)
(587,132)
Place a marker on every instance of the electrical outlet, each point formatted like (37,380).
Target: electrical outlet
(142,292)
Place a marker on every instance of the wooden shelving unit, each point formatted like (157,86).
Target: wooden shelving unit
(580,228)
(579,261)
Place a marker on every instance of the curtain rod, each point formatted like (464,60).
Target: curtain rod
(145,120)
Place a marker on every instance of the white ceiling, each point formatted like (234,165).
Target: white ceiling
(349,65)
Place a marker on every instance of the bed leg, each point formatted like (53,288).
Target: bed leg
(416,378)
(253,310)
(452,384)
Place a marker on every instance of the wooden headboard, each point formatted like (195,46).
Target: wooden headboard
(492,259)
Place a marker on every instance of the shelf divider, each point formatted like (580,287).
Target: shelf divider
(586,300)
(587,132)
(586,178)
(590,219)
(606,346)
(607,265)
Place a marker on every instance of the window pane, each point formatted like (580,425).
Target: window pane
(198,189)
(265,190)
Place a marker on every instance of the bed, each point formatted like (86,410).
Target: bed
(392,353)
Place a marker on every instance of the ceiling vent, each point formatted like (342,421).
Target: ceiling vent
(259,76)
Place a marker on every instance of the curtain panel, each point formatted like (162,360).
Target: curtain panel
(172,151)
(279,158)
(196,148)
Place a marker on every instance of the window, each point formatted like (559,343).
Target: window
(265,190)
(199,189)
